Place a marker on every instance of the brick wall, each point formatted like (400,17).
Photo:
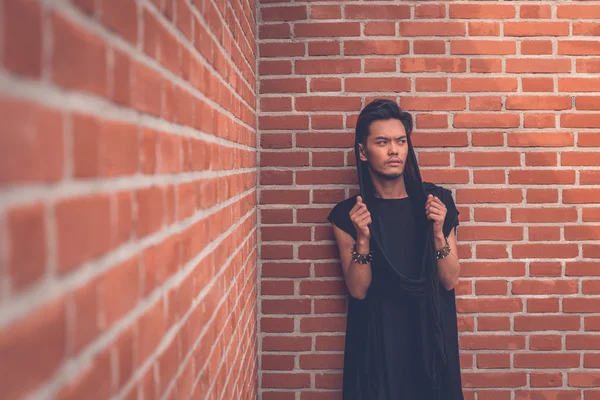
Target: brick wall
(128,203)
(503,95)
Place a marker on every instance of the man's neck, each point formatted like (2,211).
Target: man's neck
(389,189)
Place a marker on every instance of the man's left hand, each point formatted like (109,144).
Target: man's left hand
(436,211)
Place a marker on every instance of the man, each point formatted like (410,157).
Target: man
(398,252)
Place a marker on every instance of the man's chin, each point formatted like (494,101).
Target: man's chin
(390,176)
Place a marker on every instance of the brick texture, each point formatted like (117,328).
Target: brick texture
(128,218)
(503,95)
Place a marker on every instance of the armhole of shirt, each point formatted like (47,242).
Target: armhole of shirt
(341,218)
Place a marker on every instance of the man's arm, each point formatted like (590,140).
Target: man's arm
(358,276)
(449,266)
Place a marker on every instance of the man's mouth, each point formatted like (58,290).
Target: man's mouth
(394,162)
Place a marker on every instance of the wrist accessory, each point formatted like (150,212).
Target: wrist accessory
(444,251)
(361,258)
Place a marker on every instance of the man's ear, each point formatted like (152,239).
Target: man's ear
(363,152)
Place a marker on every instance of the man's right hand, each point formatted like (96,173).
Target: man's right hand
(361,218)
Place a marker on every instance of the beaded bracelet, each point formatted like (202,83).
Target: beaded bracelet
(444,251)
(361,258)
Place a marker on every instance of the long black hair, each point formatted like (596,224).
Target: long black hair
(377,110)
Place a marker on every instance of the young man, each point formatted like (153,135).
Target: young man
(398,252)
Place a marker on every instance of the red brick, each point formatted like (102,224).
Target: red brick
(487,138)
(578,47)
(285,381)
(433,65)
(580,121)
(327,29)
(491,287)
(430,11)
(478,11)
(536,47)
(293,13)
(379,47)
(321,49)
(437,28)
(534,66)
(483,47)
(121,80)
(31,143)
(283,122)
(79,58)
(429,47)
(577,11)
(546,360)
(495,342)
(323,324)
(543,139)
(487,159)
(321,361)
(485,103)
(327,66)
(147,90)
(151,209)
(537,84)
(83,227)
(282,49)
(160,44)
(104,148)
(27,251)
(28,362)
(493,361)
(542,11)
(124,279)
(484,85)
(431,121)
(539,120)
(122,19)
(486,120)
(22,22)
(323,103)
(484,29)
(274,31)
(531,28)
(380,29)
(325,12)
(283,67)
(364,11)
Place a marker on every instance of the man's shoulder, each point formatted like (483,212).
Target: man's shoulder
(346,204)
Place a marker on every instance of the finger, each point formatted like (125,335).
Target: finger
(361,218)
(434,207)
(359,200)
(361,210)
(438,201)
(365,223)
(435,217)
(359,215)
(357,208)
(434,199)
(435,210)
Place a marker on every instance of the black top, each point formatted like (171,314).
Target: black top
(383,354)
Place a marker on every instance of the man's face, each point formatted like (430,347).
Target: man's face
(386,148)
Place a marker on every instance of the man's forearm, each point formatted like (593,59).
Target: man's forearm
(449,266)
(358,277)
